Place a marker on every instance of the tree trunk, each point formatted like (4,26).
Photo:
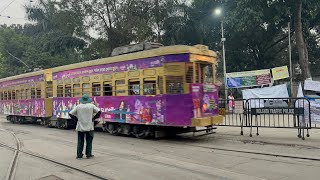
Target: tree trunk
(301,46)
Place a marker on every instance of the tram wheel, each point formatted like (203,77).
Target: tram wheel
(113,128)
(139,131)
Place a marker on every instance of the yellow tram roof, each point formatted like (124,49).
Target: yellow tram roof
(165,50)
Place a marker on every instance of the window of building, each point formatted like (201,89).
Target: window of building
(86,88)
(149,87)
(96,89)
(67,90)
(60,91)
(76,91)
(134,87)
(107,89)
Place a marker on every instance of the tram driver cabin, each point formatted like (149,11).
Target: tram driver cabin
(141,89)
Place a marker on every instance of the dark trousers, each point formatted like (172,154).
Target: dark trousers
(89,137)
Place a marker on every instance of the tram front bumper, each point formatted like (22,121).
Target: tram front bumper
(207,121)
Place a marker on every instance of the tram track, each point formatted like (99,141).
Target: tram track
(17,151)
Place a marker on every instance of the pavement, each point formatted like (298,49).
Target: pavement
(181,157)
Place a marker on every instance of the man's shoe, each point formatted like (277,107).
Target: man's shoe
(91,156)
(79,158)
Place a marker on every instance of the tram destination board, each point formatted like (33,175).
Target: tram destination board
(258,111)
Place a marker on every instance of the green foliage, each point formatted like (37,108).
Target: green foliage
(255,31)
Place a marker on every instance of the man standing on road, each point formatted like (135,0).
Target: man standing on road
(85,125)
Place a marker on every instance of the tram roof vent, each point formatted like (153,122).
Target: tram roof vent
(135,48)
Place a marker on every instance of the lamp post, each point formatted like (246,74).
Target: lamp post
(218,12)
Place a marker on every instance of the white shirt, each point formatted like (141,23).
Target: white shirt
(84,113)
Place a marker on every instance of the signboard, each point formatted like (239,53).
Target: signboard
(248,78)
(258,111)
(280,73)
(238,107)
(312,85)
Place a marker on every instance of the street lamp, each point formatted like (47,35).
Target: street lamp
(218,12)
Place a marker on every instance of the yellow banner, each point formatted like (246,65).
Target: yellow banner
(280,73)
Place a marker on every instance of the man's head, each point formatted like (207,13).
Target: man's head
(85,99)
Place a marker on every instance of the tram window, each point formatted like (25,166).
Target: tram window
(60,91)
(13,95)
(160,84)
(28,94)
(107,89)
(134,87)
(174,84)
(5,96)
(9,95)
(149,87)
(67,91)
(33,93)
(17,94)
(86,88)
(1,96)
(76,91)
(120,87)
(38,95)
(96,89)
(189,73)
(22,95)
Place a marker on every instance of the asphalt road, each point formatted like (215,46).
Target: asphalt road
(224,155)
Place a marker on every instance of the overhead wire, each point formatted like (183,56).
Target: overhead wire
(7,6)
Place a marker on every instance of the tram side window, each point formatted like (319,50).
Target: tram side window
(96,89)
(38,95)
(107,89)
(120,87)
(60,91)
(86,88)
(5,96)
(18,94)
(149,87)
(28,94)
(174,84)
(33,93)
(76,91)
(9,95)
(1,96)
(49,91)
(67,91)
(13,95)
(134,87)
(22,94)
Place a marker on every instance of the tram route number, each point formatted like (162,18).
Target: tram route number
(222,111)
(258,111)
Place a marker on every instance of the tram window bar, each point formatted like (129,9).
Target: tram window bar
(76,91)
(13,95)
(86,88)
(174,85)
(38,95)
(96,89)
(107,89)
(134,87)
(149,87)
(67,91)
(60,91)
(33,93)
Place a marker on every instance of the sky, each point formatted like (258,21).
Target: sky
(14,9)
